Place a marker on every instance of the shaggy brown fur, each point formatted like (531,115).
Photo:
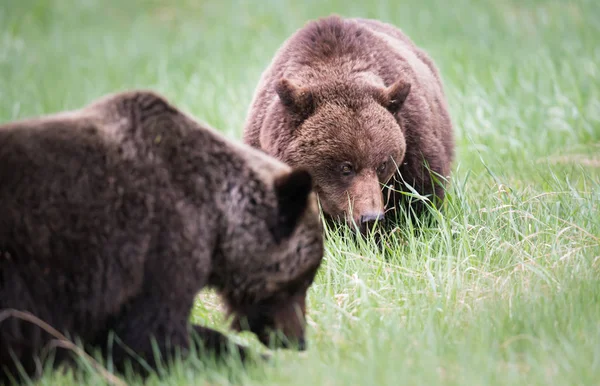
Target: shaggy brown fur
(114,216)
(351,99)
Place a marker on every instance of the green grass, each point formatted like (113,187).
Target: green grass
(505,289)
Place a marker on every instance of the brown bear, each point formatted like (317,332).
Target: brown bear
(114,216)
(356,103)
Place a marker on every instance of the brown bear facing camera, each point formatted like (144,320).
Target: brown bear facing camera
(114,216)
(356,103)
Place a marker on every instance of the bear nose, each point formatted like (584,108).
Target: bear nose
(301,344)
(371,217)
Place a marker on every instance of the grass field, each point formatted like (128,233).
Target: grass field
(505,289)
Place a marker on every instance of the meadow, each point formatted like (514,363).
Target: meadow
(503,289)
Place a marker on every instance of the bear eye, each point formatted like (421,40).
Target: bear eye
(382,167)
(347,168)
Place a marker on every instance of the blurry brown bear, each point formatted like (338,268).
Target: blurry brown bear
(114,216)
(356,103)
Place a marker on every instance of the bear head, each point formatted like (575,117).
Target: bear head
(346,134)
(270,252)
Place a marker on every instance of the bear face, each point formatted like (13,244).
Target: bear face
(342,132)
(264,284)
(278,320)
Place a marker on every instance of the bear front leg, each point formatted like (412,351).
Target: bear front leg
(216,343)
(146,333)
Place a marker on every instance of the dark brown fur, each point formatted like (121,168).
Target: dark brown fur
(113,217)
(359,93)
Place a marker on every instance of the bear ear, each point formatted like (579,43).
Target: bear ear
(292,190)
(396,95)
(298,100)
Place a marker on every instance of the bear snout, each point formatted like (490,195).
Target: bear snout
(279,341)
(371,217)
(369,220)
(301,344)
(367,202)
